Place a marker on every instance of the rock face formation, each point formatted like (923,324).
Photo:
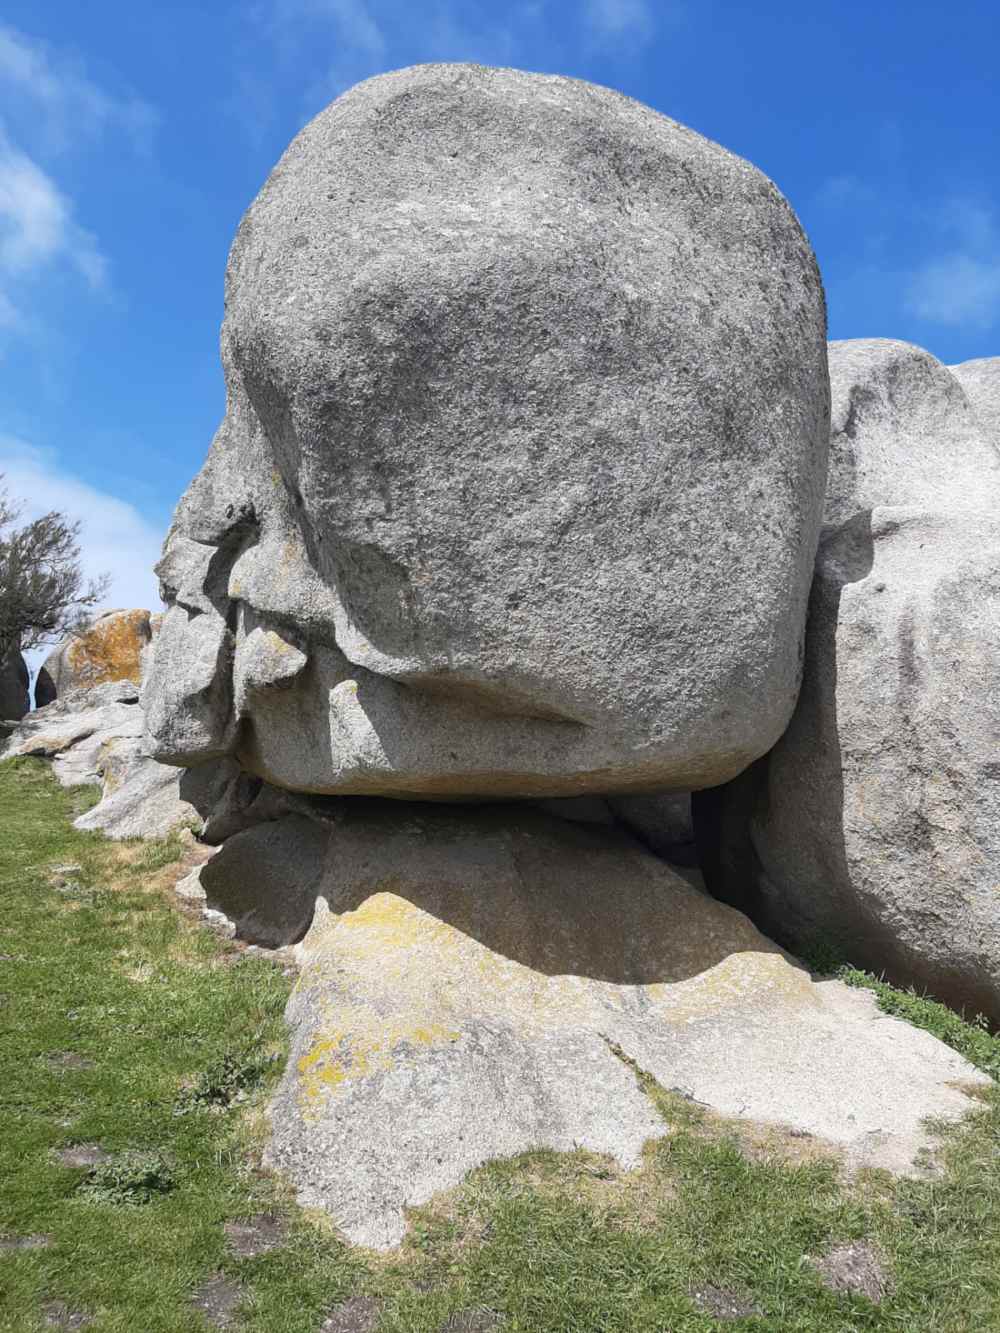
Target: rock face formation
(518,489)
(518,495)
(110,650)
(473,978)
(873,827)
(14,682)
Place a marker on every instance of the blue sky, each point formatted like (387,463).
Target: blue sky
(132,137)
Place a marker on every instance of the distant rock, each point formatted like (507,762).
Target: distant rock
(110,650)
(873,827)
(572,356)
(14,684)
(904,432)
(94,736)
(981,381)
(73,730)
(475,981)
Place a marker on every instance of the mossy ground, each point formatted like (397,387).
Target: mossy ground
(125,1024)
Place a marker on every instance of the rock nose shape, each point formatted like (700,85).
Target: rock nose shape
(523,457)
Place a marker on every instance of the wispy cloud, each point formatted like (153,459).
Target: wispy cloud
(960,286)
(50,108)
(49,94)
(37,225)
(323,47)
(621,21)
(957,289)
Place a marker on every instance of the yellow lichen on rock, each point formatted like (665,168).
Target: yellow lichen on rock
(366,1044)
(111,650)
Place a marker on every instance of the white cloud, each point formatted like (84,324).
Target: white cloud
(958,289)
(64,105)
(114,538)
(619,20)
(846,192)
(36,222)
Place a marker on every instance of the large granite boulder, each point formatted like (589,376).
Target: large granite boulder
(519,484)
(873,827)
(15,681)
(111,649)
(475,982)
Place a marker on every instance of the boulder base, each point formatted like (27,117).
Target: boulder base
(474,983)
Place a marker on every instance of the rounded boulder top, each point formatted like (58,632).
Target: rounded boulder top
(519,485)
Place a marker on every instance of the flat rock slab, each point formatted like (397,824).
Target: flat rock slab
(468,976)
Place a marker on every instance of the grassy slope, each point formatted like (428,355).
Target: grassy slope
(174,1022)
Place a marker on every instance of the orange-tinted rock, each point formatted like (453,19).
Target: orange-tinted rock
(110,650)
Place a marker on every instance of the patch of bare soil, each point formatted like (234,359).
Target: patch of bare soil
(256,1235)
(36,1242)
(723,1302)
(357,1315)
(854,1267)
(81,1154)
(57,1314)
(218,1299)
(473,1321)
(69,1060)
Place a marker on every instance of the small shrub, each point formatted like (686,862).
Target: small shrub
(130,1178)
(227,1081)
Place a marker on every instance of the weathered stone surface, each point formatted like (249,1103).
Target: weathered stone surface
(469,972)
(94,736)
(73,730)
(110,650)
(141,798)
(981,381)
(661,821)
(518,489)
(14,682)
(265,879)
(874,824)
(903,432)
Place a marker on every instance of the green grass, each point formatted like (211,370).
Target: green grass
(126,1024)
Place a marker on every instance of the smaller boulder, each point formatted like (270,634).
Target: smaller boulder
(903,431)
(110,650)
(14,681)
